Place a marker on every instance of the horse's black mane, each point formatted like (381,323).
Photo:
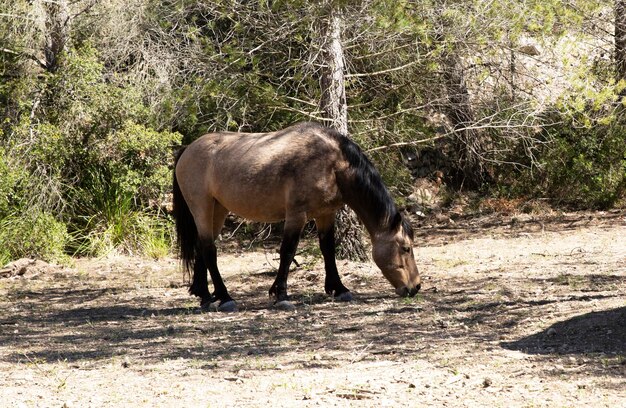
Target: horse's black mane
(370,193)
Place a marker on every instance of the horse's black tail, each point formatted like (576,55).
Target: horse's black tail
(186,230)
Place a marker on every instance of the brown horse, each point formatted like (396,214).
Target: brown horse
(306,171)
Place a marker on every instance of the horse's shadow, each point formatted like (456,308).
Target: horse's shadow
(602,332)
(42,329)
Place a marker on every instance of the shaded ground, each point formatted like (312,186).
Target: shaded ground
(514,312)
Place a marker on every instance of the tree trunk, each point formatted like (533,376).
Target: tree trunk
(468,144)
(333,85)
(57,32)
(333,104)
(620,42)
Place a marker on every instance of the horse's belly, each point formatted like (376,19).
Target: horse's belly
(256,205)
(255,210)
(250,201)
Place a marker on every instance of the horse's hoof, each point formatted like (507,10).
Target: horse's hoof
(229,306)
(284,305)
(344,297)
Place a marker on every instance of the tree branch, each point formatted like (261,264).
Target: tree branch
(39,62)
(399,144)
(368,74)
(16,16)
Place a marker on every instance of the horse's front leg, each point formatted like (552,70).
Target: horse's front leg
(209,224)
(291,237)
(326,235)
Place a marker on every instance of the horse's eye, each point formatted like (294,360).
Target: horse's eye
(406,249)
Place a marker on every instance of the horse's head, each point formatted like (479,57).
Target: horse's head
(393,253)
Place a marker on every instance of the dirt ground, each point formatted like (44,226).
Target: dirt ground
(515,311)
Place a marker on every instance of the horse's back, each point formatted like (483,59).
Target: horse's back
(264,176)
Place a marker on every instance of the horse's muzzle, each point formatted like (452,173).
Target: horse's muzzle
(406,292)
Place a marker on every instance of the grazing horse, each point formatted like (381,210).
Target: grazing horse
(306,171)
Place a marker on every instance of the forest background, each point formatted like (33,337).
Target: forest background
(517,99)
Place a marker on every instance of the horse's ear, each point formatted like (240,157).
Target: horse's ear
(397,220)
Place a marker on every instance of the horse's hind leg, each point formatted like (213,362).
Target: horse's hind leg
(326,233)
(291,236)
(208,222)
(209,253)
(199,284)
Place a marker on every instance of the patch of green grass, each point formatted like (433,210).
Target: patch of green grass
(612,361)
(411,300)
(108,217)
(574,281)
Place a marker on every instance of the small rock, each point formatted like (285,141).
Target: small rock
(551,331)
(487,382)
(229,306)
(27,268)
(344,297)
(243,374)
(218,306)
(284,305)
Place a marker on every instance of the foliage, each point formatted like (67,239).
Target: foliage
(136,157)
(108,218)
(8,181)
(585,167)
(92,158)
(520,97)
(32,234)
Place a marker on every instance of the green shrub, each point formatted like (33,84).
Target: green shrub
(577,167)
(130,231)
(27,226)
(578,159)
(34,235)
(585,166)
(93,156)
(138,159)
(108,218)
(7,183)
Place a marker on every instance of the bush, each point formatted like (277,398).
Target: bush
(108,218)
(586,167)
(94,159)
(33,235)
(130,231)
(27,227)
(7,183)
(578,159)
(138,159)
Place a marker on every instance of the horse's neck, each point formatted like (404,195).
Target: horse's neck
(370,213)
